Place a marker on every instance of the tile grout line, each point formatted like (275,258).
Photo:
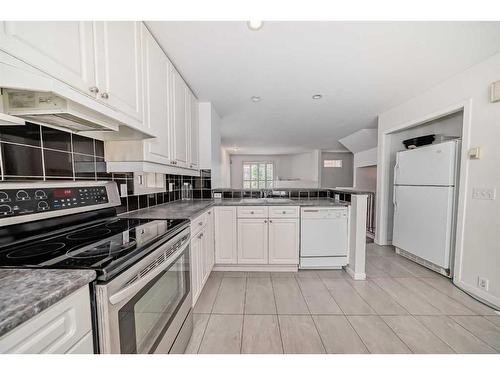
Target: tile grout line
(472,333)
(209,316)
(277,316)
(243,314)
(310,315)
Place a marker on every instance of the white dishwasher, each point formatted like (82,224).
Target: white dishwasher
(323,237)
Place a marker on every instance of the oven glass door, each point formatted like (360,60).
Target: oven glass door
(145,318)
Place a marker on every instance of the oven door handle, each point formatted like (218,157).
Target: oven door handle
(137,285)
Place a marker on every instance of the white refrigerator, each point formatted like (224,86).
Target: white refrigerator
(424,201)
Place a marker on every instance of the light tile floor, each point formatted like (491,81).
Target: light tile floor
(401,308)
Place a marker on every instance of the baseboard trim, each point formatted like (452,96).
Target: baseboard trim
(355,275)
(256,268)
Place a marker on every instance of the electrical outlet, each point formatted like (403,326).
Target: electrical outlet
(123,190)
(483,283)
(484,193)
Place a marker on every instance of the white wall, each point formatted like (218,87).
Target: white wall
(301,166)
(210,140)
(478,237)
(364,168)
(337,177)
(225,170)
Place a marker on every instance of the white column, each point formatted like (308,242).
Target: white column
(357,237)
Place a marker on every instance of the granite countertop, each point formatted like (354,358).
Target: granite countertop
(191,209)
(25,293)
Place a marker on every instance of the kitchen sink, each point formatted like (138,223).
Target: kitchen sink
(265,200)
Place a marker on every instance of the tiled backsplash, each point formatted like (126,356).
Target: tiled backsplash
(34,152)
(289,193)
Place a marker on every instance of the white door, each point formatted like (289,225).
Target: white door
(63,50)
(156,99)
(423,222)
(180,145)
(194,149)
(119,70)
(225,235)
(252,241)
(428,165)
(196,266)
(209,244)
(283,241)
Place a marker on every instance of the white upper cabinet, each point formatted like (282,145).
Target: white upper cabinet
(194,146)
(157,76)
(63,50)
(118,66)
(180,129)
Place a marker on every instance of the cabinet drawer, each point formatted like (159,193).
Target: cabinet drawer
(249,212)
(54,330)
(283,211)
(198,223)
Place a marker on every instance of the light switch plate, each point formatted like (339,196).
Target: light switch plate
(484,193)
(474,153)
(495,92)
(123,190)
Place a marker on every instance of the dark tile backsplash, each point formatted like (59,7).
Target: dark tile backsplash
(34,152)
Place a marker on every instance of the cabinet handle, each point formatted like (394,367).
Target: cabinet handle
(270,221)
(200,223)
(284,212)
(252,212)
(265,221)
(105,95)
(200,236)
(94,89)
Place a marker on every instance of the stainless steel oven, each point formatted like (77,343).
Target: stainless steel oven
(147,308)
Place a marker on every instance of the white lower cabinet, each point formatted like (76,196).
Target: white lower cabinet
(283,241)
(257,236)
(202,253)
(225,235)
(252,241)
(65,327)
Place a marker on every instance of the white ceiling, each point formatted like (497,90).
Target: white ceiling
(360,68)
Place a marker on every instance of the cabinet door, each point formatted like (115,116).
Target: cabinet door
(225,235)
(211,245)
(63,50)
(157,73)
(194,146)
(119,66)
(196,266)
(284,241)
(180,130)
(252,241)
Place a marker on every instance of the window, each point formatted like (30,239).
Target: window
(332,163)
(258,175)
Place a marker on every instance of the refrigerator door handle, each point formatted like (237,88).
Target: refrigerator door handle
(394,200)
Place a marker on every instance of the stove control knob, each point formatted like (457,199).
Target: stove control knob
(4,197)
(40,194)
(43,206)
(5,210)
(22,195)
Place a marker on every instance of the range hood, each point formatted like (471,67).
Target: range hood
(50,109)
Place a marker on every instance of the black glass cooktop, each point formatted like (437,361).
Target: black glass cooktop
(103,245)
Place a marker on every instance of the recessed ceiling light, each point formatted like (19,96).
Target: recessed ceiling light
(255,98)
(317,96)
(255,25)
